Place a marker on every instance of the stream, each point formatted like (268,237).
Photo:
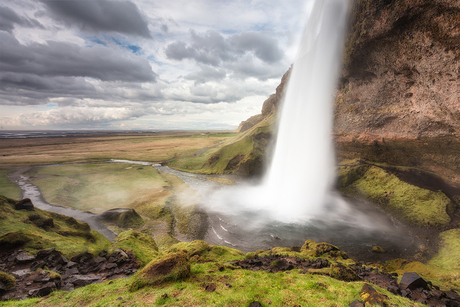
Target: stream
(352,233)
(29,190)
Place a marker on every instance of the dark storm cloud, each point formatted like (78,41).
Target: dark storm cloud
(71,60)
(211,48)
(100,16)
(8,19)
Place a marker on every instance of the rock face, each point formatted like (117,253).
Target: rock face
(270,105)
(401,76)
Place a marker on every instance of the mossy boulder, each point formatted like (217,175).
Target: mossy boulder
(171,267)
(199,250)
(124,218)
(313,249)
(341,272)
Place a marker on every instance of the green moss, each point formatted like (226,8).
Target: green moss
(19,229)
(142,245)
(165,242)
(206,252)
(7,280)
(313,249)
(171,267)
(415,205)
(449,252)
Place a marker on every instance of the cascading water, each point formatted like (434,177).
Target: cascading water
(298,182)
(296,200)
(302,169)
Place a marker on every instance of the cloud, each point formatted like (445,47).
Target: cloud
(100,16)
(211,48)
(66,59)
(8,19)
(69,116)
(264,47)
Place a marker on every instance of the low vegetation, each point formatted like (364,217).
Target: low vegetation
(415,205)
(158,147)
(38,229)
(7,188)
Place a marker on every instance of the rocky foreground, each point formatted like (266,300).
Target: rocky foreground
(49,270)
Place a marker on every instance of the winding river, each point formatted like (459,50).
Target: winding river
(244,231)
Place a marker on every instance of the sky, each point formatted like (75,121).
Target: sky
(142,64)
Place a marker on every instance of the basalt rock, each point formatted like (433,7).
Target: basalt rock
(49,270)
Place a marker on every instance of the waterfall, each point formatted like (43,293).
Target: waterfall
(302,171)
(299,180)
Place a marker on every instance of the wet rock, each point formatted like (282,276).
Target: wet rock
(371,297)
(24,204)
(24,257)
(412,281)
(356,303)
(21,273)
(43,291)
(377,249)
(83,280)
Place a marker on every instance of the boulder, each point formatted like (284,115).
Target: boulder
(171,267)
(371,297)
(24,204)
(314,249)
(412,281)
(342,272)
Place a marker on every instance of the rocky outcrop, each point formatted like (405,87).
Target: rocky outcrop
(401,76)
(270,106)
(48,270)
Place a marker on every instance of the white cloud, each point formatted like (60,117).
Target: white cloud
(65,66)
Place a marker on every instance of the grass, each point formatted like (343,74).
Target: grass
(146,147)
(143,246)
(100,187)
(17,228)
(7,188)
(278,289)
(415,205)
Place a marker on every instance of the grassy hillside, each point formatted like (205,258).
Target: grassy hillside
(35,230)
(244,153)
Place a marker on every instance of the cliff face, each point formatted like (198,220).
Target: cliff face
(399,96)
(401,76)
(269,106)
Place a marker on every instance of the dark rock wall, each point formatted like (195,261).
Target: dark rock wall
(401,76)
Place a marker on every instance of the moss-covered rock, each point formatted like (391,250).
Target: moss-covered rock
(143,246)
(200,250)
(171,267)
(341,272)
(323,249)
(123,218)
(415,205)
